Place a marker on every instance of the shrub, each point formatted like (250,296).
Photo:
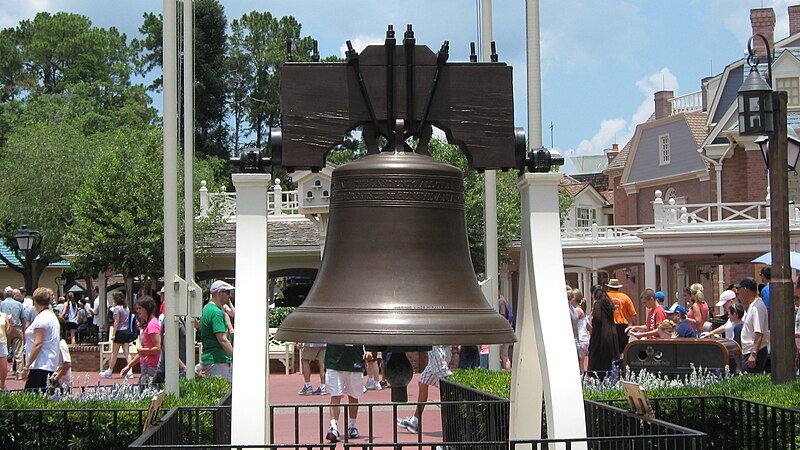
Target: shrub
(276,315)
(87,420)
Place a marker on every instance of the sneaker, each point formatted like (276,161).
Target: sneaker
(410,423)
(129,375)
(384,384)
(373,385)
(307,390)
(320,391)
(105,374)
(333,435)
(352,432)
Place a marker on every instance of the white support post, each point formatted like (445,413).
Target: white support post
(658,210)
(680,282)
(490,195)
(204,203)
(250,387)
(545,363)
(649,270)
(277,196)
(587,288)
(188,170)
(170,121)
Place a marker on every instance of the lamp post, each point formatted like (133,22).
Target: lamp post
(60,281)
(27,243)
(762,112)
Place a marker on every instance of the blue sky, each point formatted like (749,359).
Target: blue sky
(602,60)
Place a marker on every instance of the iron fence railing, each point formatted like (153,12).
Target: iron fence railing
(732,423)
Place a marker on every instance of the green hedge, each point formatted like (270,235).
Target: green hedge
(758,388)
(35,421)
(276,315)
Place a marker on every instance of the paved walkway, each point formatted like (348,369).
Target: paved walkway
(313,418)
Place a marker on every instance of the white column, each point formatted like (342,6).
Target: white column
(277,196)
(649,269)
(505,284)
(170,121)
(204,203)
(188,169)
(680,282)
(546,344)
(720,277)
(587,287)
(490,195)
(250,387)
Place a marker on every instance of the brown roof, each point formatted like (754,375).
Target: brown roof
(575,188)
(609,196)
(598,180)
(697,125)
(280,233)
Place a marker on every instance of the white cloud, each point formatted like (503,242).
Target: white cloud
(12,11)
(591,32)
(736,17)
(361,42)
(620,130)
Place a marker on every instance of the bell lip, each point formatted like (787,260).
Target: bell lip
(405,339)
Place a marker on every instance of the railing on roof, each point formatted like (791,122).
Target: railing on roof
(687,103)
(279,202)
(672,216)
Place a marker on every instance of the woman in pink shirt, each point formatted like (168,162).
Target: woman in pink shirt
(698,313)
(147,355)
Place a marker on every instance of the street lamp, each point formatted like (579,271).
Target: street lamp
(762,113)
(793,154)
(60,281)
(28,240)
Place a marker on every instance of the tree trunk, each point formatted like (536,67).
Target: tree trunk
(129,289)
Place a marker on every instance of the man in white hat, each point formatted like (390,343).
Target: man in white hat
(217,349)
(624,311)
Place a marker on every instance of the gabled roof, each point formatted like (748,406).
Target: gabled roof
(9,254)
(727,91)
(697,125)
(609,196)
(575,188)
(619,161)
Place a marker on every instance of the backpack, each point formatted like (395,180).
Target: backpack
(133,326)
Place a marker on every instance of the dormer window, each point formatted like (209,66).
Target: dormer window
(663,149)
(791,86)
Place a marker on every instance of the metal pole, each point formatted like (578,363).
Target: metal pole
(170,109)
(534,74)
(781,306)
(188,172)
(490,194)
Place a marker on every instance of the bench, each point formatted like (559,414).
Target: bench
(282,351)
(107,346)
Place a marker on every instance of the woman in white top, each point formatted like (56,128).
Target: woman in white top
(41,342)
(5,330)
(583,334)
(63,375)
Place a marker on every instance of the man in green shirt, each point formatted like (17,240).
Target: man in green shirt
(217,349)
(344,366)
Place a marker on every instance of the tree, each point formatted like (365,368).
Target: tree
(210,47)
(118,224)
(53,51)
(263,37)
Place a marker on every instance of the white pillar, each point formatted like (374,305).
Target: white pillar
(490,195)
(587,287)
(170,121)
(204,203)
(277,196)
(649,270)
(680,282)
(188,170)
(250,387)
(720,277)
(543,365)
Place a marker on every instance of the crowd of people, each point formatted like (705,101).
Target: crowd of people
(601,335)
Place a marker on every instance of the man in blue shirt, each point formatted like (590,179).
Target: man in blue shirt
(766,275)
(13,308)
(677,314)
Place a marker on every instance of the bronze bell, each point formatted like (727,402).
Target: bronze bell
(396,269)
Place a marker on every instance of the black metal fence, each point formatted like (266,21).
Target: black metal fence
(607,427)
(78,428)
(732,423)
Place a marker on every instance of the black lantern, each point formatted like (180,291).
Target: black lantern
(755,105)
(755,95)
(793,147)
(27,240)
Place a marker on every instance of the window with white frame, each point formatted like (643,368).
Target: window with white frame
(671,194)
(585,217)
(663,149)
(791,86)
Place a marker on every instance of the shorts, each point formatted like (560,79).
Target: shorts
(312,353)
(339,382)
(504,350)
(72,326)
(437,367)
(123,337)
(583,348)
(3,350)
(220,370)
